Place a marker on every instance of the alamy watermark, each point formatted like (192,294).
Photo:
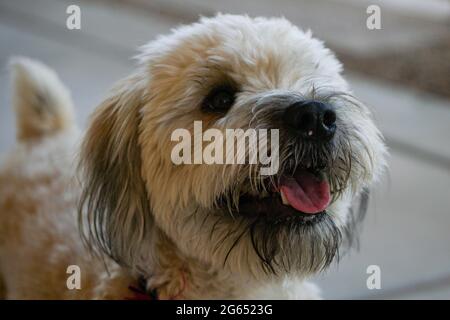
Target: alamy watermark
(73,21)
(73,281)
(374,279)
(235,146)
(373,21)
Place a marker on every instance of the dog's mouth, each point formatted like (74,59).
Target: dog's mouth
(302,196)
(306,191)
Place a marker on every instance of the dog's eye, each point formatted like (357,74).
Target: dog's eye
(219,100)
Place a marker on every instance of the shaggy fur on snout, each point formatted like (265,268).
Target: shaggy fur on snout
(112,202)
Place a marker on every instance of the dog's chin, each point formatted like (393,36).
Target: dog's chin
(284,238)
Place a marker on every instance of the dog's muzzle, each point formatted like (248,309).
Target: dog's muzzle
(307,183)
(313,120)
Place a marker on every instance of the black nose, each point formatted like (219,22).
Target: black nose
(314,120)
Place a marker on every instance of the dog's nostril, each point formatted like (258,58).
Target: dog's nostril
(313,119)
(329,118)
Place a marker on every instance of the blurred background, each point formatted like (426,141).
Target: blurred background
(401,70)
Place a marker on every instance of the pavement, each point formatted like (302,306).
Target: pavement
(406,232)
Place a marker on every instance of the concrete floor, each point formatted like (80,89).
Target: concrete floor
(406,232)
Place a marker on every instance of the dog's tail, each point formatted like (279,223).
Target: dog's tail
(42,103)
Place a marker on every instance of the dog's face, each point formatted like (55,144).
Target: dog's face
(231,72)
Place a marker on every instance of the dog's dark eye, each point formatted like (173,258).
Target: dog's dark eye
(219,100)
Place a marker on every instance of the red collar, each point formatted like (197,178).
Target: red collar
(140,291)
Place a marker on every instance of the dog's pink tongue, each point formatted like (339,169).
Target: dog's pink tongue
(306,192)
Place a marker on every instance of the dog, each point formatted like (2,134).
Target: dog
(112,203)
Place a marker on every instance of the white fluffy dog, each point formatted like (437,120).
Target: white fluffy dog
(187,231)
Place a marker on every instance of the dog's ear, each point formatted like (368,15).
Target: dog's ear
(114,211)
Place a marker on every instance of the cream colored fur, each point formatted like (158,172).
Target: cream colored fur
(158,220)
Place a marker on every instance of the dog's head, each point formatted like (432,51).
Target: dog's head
(231,72)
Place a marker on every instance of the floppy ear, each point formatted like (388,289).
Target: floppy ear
(114,210)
